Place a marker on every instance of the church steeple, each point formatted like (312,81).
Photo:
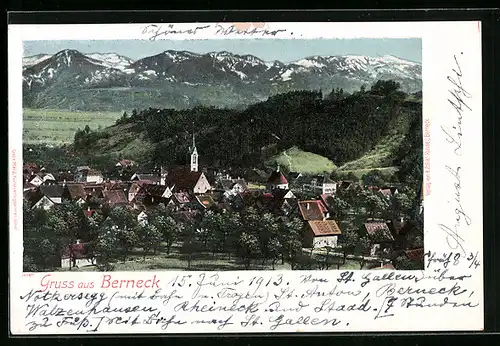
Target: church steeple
(194,156)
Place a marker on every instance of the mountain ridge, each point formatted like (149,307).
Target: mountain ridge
(182,79)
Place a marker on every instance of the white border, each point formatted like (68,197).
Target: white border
(441,41)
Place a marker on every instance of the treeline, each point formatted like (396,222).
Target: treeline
(338,126)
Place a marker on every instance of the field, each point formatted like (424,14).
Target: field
(205,261)
(296,160)
(59,126)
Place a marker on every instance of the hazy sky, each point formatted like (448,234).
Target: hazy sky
(265,49)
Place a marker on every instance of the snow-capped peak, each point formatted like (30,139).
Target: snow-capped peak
(112,60)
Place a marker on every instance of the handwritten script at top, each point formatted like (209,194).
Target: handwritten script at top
(154,31)
(271,301)
(458,98)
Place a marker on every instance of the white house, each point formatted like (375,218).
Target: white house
(45,203)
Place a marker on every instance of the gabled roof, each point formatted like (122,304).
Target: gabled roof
(378,228)
(182,197)
(312,210)
(182,179)
(153,177)
(93,190)
(125,163)
(277,178)
(53,191)
(76,191)
(206,201)
(385,192)
(416,255)
(82,168)
(324,228)
(281,193)
(155,190)
(115,197)
(325,197)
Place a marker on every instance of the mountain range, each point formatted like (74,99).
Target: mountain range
(73,80)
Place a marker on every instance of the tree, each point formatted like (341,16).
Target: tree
(375,204)
(403,263)
(149,238)
(44,238)
(401,205)
(123,225)
(168,228)
(364,245)
(374,178)
(106,247)
(385,87)
(248,247)
(273,250)
(350,240)
(338,206)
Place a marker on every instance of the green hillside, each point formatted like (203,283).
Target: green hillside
(296,160)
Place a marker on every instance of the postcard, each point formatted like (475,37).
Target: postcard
(245,178)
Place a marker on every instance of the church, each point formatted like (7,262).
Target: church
(186,179)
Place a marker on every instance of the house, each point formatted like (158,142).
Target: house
(283,194)
(277,181)
(123,163)
(115,197)
(321,184)
(48,178)
(313,210)
(415,255)
(388,191)
(321,233)
(206,201)
(232,187)
(75,192)
(133,190)
(28,186)
(93,190)
(54,192)
(380,236)
(88,175)
(142,218)
(151,195)
(181,199)
(35,180)
(185,180)
(76,255)
(44,202)
(153,178)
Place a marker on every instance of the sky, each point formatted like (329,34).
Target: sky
(265,49)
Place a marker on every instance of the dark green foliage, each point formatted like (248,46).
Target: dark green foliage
(340,127)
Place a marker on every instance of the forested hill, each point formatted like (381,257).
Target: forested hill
(337,126)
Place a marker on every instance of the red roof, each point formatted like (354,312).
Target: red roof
(312,210)
(416,255)
(277,178)
(89,213)
(115,197)
(324,228)
(381,228)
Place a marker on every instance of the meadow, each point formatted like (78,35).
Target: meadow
(49,126)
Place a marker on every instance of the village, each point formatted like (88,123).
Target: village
(200,218)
